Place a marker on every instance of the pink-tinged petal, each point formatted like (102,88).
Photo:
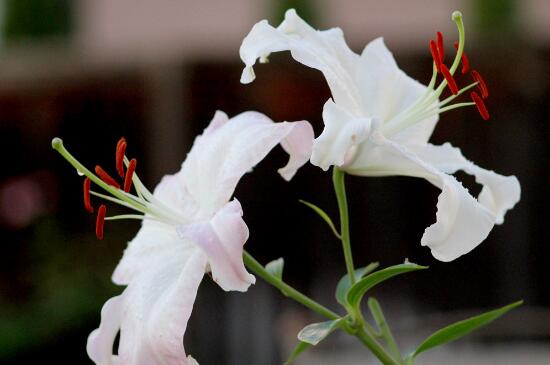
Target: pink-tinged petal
(298,145)
(220,157)
(462,222)
(220,118)
(152,315)
(154,243)
(100,341)
(499,193)
(342,133)
(191,361)
(222,240)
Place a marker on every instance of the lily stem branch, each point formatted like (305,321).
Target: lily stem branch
(375,347)
(338,177)
(286,289)
(366,338)
(384,328)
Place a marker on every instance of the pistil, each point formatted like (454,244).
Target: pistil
(145,203)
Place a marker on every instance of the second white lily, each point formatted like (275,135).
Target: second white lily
(379,123)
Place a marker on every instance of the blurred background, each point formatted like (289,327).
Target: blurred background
(91,71)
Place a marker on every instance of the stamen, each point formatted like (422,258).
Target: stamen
(100,221)
(440,47)
(435,55)
(87,203)
(481,84)
(129,175)
(120,151)
(106,177)
(449,78)
(465,61)
(480,105)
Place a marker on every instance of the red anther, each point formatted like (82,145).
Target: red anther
(87,203)
(106,177)
(480,84)
(120,151)
(449,78)
(465,61)
(435,55)
(440,47)
(480,105)
(129,174)
(122,139)
(100,221)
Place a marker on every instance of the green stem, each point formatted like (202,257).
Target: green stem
(340,190)
(366,338)
(286,289)
(375,348)
(384,329)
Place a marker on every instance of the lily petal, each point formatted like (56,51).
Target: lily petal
(152,315)
(342,132)
(462,222)
(325,51)
(367,86)
(228,150)
(100,341)
(222,240)
(154,244)
(499,194)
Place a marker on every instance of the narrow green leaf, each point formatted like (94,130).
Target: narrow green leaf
(345,283)
(275,267)
(461,328)
(357,291)
(300,347)
(324,216)
(316,332)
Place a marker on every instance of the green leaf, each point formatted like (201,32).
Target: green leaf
(357,291)
(275,268)
(324,216)
(460,329)
(300,347)
(316,332)
(345,283)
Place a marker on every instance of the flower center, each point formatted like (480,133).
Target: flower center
(144,203)
(428,105)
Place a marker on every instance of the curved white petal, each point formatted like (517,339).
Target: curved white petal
(298,145)
(499,194)
(366,86)
(154,243)
(462,222)
(100,341)
(228,150)
(342,132)
(326,51)
(222,239)
(152,315)
(386,91)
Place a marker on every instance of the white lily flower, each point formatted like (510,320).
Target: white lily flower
(380,120)
(189,226)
